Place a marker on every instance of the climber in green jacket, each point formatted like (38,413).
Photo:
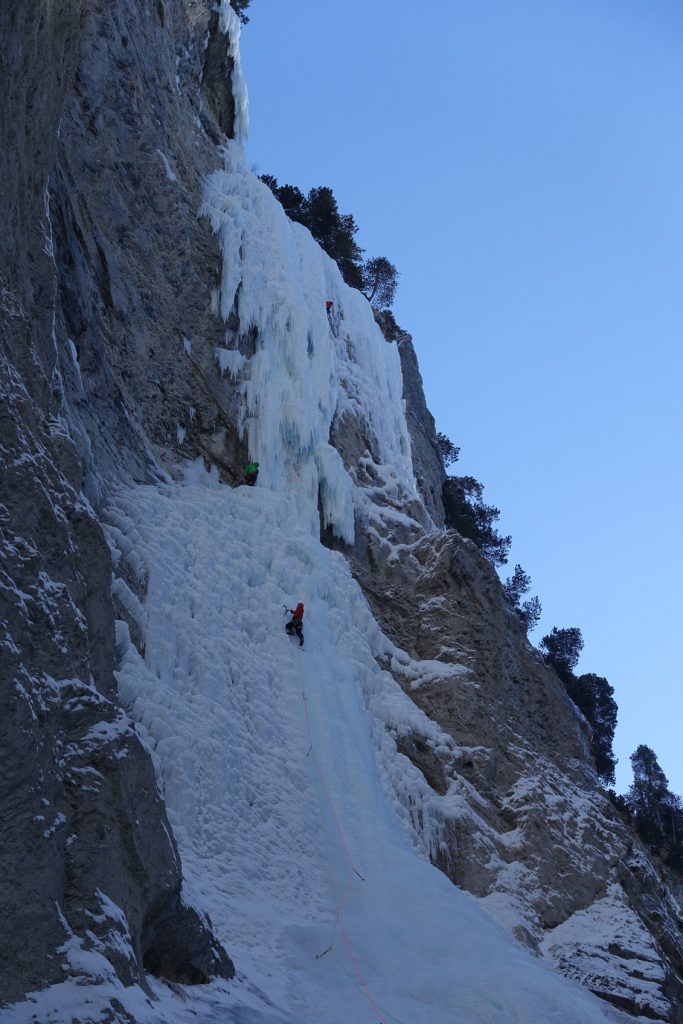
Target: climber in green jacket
(251,474)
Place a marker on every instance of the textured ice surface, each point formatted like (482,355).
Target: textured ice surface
(274,798)
(308,368)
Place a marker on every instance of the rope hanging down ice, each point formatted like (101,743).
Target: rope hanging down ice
(353,871)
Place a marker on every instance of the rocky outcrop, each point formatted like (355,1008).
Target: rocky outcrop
(534,836)
(216,77)
(427,458)
(528,828)
(87,859)
(136,266)
(427,461)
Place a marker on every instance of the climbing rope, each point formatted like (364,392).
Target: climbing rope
(386,1012)
(353,871)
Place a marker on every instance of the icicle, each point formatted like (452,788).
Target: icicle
(230,360)
(230,25)
(336,492)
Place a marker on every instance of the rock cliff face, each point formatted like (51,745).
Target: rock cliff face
(108,371)
(135,264)
(534,836)
(429,471)
(81,810)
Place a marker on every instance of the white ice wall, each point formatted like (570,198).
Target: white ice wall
(307,367)
(280,768)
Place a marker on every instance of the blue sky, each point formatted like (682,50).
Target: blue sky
(521,162)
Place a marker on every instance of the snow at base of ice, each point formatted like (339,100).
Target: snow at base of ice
(281,776)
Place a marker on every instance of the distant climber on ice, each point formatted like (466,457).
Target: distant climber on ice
(295,627)
(328,306)
(251,474)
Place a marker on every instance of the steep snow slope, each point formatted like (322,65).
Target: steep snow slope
(282,779)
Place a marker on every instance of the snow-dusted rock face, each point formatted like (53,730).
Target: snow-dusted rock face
(90,872)
(427,461)
(534,837)
(90,876)
(137,340)
(155,306)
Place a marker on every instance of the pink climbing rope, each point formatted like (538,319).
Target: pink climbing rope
(362,984)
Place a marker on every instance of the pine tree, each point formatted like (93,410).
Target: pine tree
(561,649)
(323,217)
(347,253)
(294,203)
(449,452)
(466,512)
(648,795)
(673,828)
(657,812)
(336,233)
(595,697)
(515,587)
(530,613)
(592,694)
(380,280)
(291,198)
(239,7)
(271,181)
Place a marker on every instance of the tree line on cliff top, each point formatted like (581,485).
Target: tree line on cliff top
(653,810)
(466,511)
(240,9)
(336,233)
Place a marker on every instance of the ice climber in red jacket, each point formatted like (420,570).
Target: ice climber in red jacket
(295,627)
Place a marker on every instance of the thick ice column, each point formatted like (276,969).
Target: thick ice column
(308,368)
(230,25)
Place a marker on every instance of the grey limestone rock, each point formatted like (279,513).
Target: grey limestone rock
(86,853)
(541,844)
(136,266)
(87,859)
(427,460)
